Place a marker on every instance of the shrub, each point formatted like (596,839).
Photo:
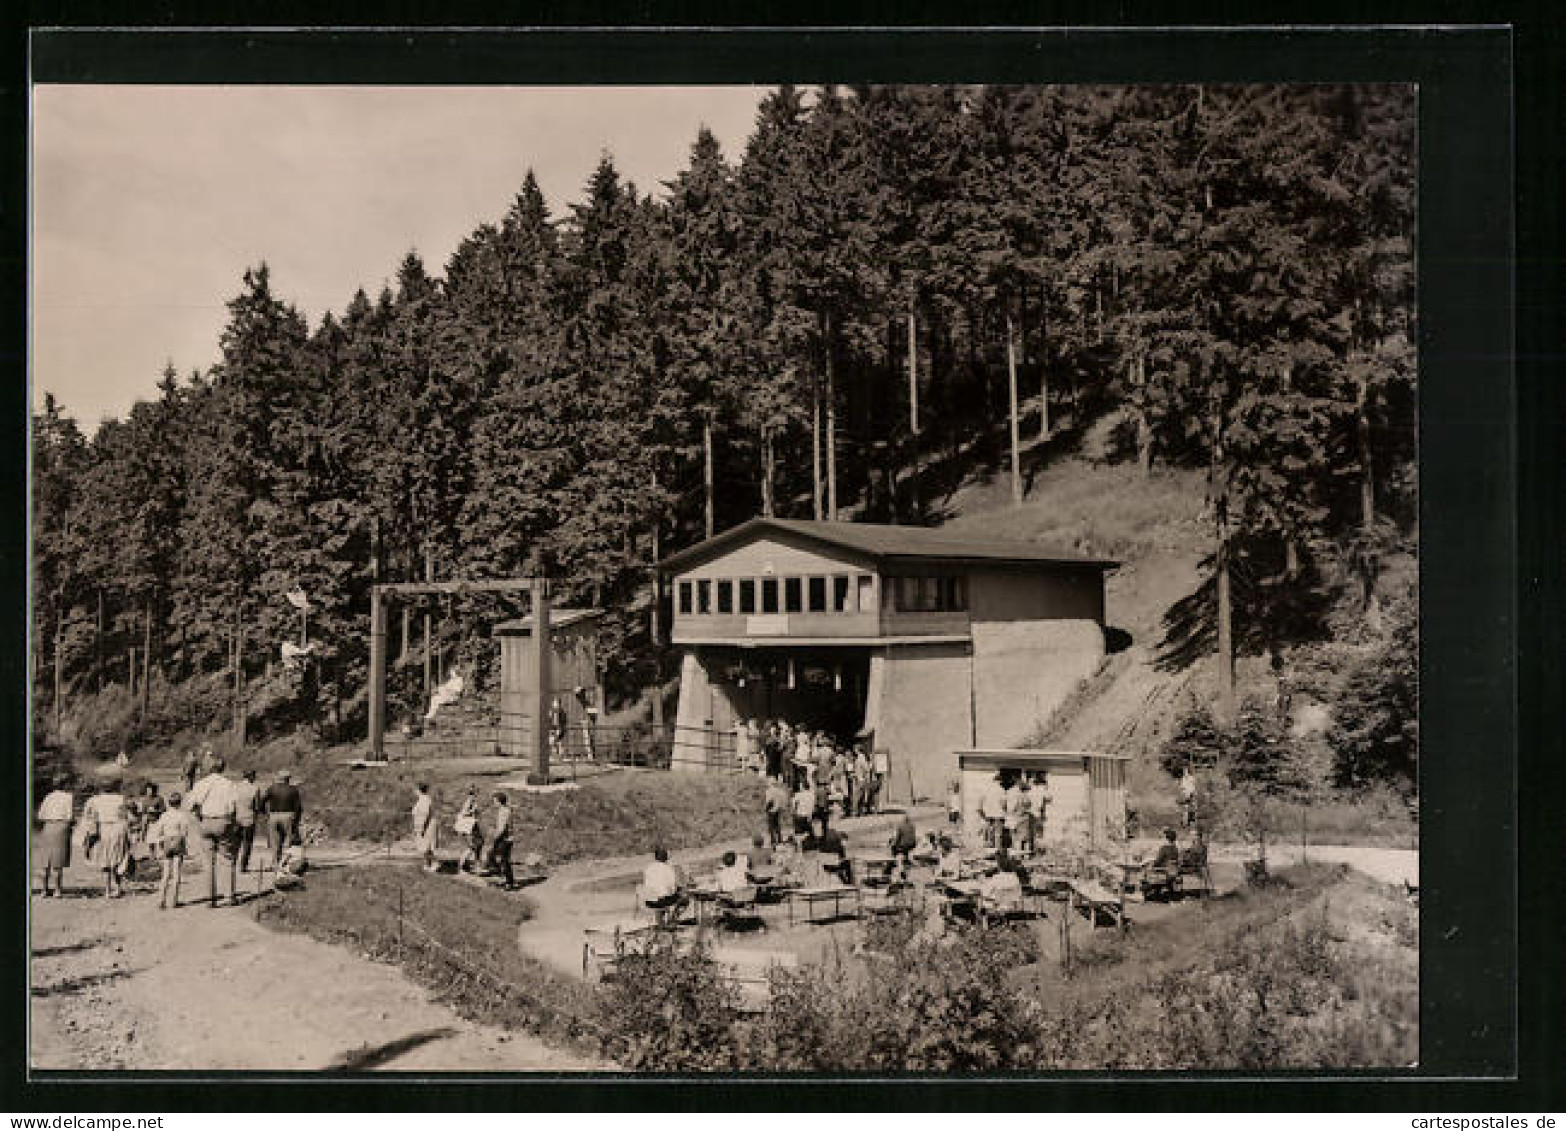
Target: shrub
(668,1009)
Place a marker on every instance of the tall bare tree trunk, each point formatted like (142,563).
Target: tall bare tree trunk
(59,677)
(1367,481)
(706,476)
(1011,380)
(913,371)
(239,679)
(815,454)
(429,575)
(1220,472)
(768,472)
(655,626)
(97,646)
(831,420)
(1144,427)
(130,671)
(146,659)
(1043,379)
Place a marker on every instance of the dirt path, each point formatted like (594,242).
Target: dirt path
(118,984)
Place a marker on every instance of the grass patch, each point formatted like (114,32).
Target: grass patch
(621,813)
(458,941)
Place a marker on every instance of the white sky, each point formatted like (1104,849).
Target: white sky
(150,201)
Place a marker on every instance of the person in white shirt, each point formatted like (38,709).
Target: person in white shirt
(662,889)
(56,814)
(733,875)
(213,803)
(425,826)
(169,837)
(804,807)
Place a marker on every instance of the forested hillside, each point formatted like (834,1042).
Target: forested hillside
(889,289)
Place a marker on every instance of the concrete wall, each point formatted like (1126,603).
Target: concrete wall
(1023,670)
(1062,593)
(690,748)
(925,714)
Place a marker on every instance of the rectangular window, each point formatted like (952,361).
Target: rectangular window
(685,597)
(747,595)
(725,596)
(769,594)
(890,588)
(704,597)
(866,593)
(793,594)
(842,593)
(954,599)
(818,594)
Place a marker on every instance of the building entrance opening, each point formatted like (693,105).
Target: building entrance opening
(818,689)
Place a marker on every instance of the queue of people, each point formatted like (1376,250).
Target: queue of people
(850,777)
(213,815)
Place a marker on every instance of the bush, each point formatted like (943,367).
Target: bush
(668,1009)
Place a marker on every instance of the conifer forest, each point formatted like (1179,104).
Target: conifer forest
(888,288)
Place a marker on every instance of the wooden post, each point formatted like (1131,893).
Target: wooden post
(377,675)
(541,656)
(1011,376)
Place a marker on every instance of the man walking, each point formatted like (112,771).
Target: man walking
(500,844)
(284,808)
(881,763)
(247,804)
(212,803)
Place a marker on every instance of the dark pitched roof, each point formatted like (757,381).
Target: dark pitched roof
(884,544)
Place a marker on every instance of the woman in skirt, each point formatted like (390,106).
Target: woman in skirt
(108,836)
(56,814)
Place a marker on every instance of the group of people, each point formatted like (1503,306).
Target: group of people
(215,815)
(481,855)
(1013,810)
(811,777)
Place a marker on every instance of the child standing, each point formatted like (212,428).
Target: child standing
(167,840)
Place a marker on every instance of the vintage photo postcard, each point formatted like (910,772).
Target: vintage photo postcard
(774,578)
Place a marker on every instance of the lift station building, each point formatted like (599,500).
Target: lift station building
(925,641)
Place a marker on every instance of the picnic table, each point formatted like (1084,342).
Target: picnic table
(829,893)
